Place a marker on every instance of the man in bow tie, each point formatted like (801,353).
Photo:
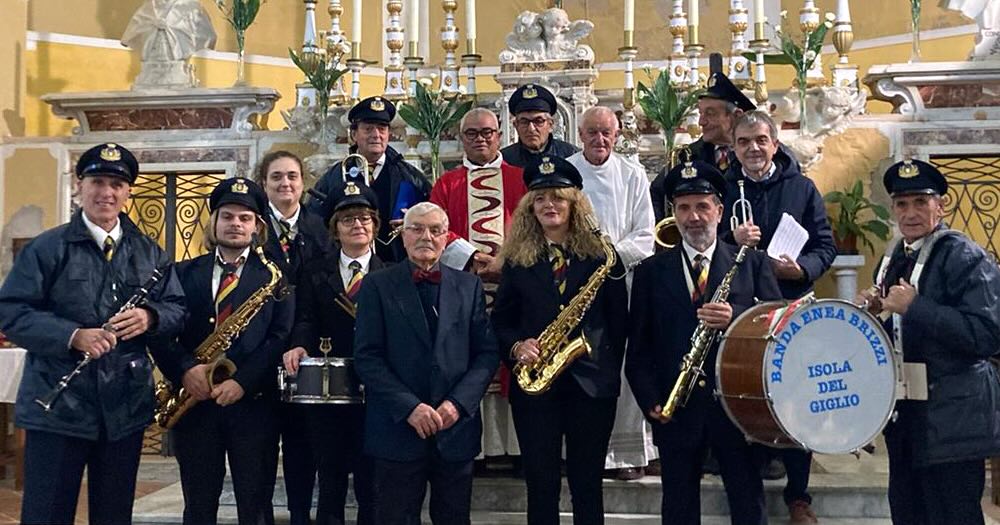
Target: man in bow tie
(425,352)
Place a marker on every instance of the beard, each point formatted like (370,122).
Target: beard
(699,237)
(233,244)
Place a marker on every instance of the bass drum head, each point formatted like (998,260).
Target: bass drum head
(830,374)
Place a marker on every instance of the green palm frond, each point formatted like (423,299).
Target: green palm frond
(433,115)
(665,104)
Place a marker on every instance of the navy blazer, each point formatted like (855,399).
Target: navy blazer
(257,351)
(401,367)
(317,313)
(312,241)
(528,301)
(663,319)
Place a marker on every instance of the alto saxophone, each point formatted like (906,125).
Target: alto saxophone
(174,401)
(555,351)
(692,366)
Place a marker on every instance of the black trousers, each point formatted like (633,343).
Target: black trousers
(400,487)
(681,462)
(942,494)
(296,460)
(798,463)
(542,422)
(53,471)
(336,438)
(245,433)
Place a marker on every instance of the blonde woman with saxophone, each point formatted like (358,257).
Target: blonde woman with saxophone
(230,415)
(561,280)
(675,294)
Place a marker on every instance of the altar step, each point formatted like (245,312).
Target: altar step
(838,499)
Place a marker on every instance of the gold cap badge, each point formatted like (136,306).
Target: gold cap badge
(111,153)
(712,80)
(529,92)
(352,189)
(547,167)
(377,105)
(689,171)
(908,170)
(240,186)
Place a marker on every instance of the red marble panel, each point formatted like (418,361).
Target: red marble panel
(960,95)
(160,119)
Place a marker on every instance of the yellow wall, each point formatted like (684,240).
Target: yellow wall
(12,61)
(27,170)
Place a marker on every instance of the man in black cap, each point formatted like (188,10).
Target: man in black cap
(397,184)
(941,294)
(549,255)
(678,284)
(234,417)
(59,302)
(718,108)
(532,107)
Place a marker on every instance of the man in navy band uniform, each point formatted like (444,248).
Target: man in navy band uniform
(396,183)
(531,108)
(944,291)
(63,287)
(234,419)
(718,108)
(425,352)
(677,285)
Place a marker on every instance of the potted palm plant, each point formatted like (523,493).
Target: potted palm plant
(857,219)
(667,105)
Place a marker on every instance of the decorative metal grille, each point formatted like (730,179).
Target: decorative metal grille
(172,208)
(972,204)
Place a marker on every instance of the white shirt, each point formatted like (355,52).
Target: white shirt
(619,193)
(217,270)
(293,221)
(378,168)
(913,246)
(471,166)
(345,261)
(770,172)
(99,234)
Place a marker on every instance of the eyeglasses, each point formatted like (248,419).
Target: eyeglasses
(349,220)
(538,122)
(421,229)
(471,134)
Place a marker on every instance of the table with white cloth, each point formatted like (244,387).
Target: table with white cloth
(11,444)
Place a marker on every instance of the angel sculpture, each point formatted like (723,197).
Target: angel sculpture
(167,33)
(549,35)
(561,35)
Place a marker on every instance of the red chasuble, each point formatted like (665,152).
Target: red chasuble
(487,221)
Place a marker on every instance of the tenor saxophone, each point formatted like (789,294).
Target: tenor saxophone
(173,401)
(555,351)
(692,366)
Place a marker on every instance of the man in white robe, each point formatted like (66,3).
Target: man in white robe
(619,191)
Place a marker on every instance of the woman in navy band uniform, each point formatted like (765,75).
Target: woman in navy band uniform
(535,284)
(62,288)
(295,237)
(235,419)
(323,309)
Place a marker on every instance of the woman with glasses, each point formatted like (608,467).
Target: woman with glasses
(549,255)
(325,309)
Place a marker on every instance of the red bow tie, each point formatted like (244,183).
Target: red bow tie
(430,276)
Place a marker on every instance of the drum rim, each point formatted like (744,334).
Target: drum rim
(891,352)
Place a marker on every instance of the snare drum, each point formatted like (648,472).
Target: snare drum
(816,374)
(322,381)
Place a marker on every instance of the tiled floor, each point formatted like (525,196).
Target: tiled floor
(10,500)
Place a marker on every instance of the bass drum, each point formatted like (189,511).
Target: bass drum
(815,374)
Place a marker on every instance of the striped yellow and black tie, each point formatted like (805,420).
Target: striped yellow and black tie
(701,280)
(109,248)
(227,283)
(355,284)
(559,264)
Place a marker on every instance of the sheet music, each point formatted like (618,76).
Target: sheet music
(788,239)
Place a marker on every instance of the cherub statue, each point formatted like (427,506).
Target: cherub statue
(549,35)
(986,13)
(167,33)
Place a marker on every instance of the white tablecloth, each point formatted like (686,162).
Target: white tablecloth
(11,368)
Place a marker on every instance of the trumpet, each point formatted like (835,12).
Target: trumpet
(359,169)
(742,210)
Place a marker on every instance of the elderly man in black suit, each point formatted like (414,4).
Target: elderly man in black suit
(425,352)
(677,285)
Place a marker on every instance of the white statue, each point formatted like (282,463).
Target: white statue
(986,13)
(549,35)
(168,32)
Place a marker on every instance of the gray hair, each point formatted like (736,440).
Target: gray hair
(477,112)
(421,209)
(755,118)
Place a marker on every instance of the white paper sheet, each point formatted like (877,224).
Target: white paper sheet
(788,239)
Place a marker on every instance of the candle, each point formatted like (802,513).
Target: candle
(693,13)
(629,15)
(413,20)
(758,11)
(356,22)
(470,19)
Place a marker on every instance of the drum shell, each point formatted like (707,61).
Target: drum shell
(306,387)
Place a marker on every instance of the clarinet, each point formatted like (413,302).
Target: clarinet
(134,301)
